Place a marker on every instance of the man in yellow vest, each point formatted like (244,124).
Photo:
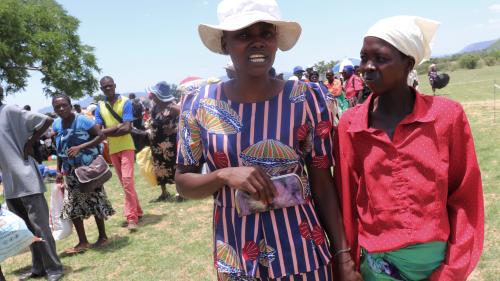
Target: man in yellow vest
(115,115)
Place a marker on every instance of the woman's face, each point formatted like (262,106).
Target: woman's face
(314,76)
(383,66)
(155,99)
(62,107)
(329,76)
(252,49)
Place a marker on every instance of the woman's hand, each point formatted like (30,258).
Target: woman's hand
(59,177)
(346,269)
(73,151)
(252,180)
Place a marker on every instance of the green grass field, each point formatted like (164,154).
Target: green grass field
(174,239)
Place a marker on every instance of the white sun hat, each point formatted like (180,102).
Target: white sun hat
(237,14)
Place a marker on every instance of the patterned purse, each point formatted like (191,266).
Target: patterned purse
(94,175)
(290,193)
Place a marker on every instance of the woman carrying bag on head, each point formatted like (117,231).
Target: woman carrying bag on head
(252,132)
(410,182)
(77,140)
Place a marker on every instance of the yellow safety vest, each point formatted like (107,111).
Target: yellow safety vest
(121,143)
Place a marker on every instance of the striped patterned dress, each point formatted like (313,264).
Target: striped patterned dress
(280,135)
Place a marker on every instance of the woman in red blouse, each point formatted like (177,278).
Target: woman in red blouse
(406,168)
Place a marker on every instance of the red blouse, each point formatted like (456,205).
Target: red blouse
(423,186)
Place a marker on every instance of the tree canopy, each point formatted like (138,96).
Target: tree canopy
(323,66)
(39,35)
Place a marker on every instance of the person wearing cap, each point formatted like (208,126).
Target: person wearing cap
(163,125)
(115,116)
(298,73)
(410,182)
(353,85)
(249,130)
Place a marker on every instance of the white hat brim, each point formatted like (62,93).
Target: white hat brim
(288,32)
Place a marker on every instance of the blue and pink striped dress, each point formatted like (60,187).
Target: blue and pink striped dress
(280,135)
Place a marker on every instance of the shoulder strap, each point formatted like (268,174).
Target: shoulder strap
(73,126)
(115,115)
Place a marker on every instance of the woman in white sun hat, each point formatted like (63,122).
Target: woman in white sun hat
(249,130)
(410,181)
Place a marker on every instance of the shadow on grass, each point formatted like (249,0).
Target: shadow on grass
(66,268)
(21,270)
(116,243)
(151,219)
(69,269)
(64,255)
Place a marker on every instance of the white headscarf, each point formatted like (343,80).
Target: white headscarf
(411,35)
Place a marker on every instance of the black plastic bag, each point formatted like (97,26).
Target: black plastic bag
(441,81)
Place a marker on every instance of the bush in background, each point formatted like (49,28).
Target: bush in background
(468,61)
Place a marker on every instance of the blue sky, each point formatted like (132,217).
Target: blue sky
(143,42)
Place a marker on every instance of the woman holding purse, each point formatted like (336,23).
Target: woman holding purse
(77,140)
(254,128)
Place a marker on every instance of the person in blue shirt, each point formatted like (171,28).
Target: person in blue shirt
(77,142)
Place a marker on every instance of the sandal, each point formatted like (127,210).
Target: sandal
(77,249)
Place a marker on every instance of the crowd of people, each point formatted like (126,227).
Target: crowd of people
(358,176)
(76,135)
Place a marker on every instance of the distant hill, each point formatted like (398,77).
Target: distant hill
(494,46)
(481,46)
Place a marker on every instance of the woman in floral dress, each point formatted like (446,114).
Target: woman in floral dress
(163,125)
